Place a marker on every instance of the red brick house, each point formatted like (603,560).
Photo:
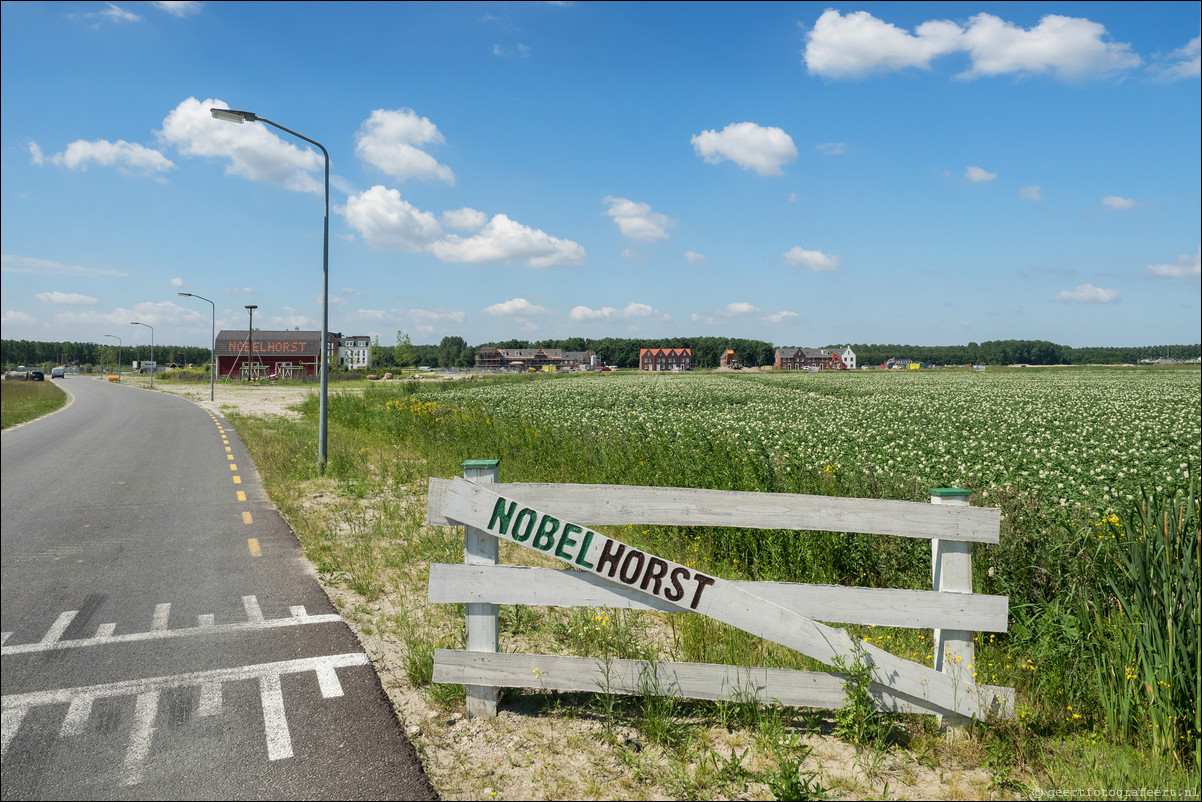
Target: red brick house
(676,359)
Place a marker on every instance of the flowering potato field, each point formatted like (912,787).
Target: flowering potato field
(1082,438)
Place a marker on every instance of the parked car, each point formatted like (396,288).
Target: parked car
(36,376)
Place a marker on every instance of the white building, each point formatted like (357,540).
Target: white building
(355,352)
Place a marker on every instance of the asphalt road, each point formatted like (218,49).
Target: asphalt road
(163,637)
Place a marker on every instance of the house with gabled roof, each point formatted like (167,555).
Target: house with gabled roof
(675,359)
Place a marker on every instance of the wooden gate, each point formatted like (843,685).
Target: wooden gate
(551,518)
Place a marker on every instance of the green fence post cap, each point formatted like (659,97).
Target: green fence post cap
(480,463)
(950,492)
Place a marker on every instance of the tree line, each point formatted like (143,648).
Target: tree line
(454,352)
(1020,352)
(14,353)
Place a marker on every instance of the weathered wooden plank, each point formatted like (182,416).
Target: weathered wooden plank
(479,505)
(686,680)
(482,623)
(883,607)
(619,505)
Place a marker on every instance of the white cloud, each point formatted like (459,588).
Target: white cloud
(65,298)
(464,219)
(831,148)
(177,282)
(739,309)
(1186,62)
(26,264)
(520,51)
(15,318)
(636,220)
(977,174)
(152,313)
(516,307)
(1117,203)
(859,44)
(753,147)
(694,258)
(250,149)
(388,222)
(118,14)
(1185,266)
(1070,47)
(1088,294)
(780,317)
(814,260)
(180,8)
(503,240)
(428,316)
(632,310)
(1034,192)
(127,156)
(389,140)
(371,314)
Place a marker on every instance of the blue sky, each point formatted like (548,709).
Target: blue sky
(805,174)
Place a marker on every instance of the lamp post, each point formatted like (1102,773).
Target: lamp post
(153,364)
(233,116)
(212,342)
(250,342)
(119,344)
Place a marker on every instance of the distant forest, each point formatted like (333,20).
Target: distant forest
(623,353)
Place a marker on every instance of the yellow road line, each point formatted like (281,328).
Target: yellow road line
(233,467)
(237,480)
(246,519)
(241,496)
(253,544)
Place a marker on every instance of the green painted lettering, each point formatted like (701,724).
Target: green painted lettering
(580,555)
(544,539)
(526,517)
(500,515)
(565,541)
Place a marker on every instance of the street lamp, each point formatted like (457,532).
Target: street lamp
(119,344)
(234,116)
(212,342)
(153,364)
(250,342)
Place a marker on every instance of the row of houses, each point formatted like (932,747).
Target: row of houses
(256,354)
(525,359)
(678,359)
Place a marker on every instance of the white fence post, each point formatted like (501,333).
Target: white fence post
(951,572)
(483,624)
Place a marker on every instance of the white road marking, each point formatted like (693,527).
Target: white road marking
(279,741)
(77,716)
(59,626)
(145,712)
(161,613)
(210,699)
(10,722)
(251,604)
(104,635)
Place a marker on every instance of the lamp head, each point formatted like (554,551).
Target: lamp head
(233,115)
